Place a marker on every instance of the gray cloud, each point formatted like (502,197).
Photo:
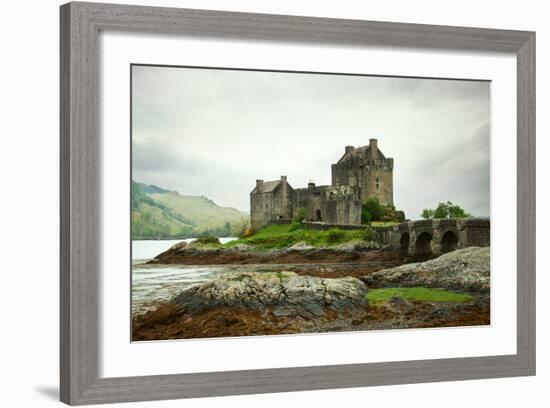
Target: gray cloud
(213,132)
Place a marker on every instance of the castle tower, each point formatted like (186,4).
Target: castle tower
(367,168)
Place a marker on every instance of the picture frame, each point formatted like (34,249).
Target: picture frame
(80,232)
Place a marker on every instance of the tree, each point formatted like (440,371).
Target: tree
(372,210)
(226,230)
(445,210)
(427,213)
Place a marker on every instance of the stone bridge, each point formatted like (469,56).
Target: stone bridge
(436,236)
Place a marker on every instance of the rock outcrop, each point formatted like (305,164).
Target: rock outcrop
(465,269)
(300,253)
(281,293)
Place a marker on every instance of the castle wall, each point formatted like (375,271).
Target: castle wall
(260,210)
(330,204)
(342,211)
(309,199)
(378,181)
(283,202)
(348,173)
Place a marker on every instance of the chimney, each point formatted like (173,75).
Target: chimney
(259,185)
(349,149)
(283,179)
(373,143)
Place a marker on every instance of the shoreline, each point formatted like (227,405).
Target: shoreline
(429,294)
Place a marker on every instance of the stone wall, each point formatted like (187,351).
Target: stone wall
(310,199)
(475,232)
(343,212)
(283,200)
(260,210)
(282,221)
(378,181)
(321,226)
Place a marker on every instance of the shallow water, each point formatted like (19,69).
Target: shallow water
(151,284)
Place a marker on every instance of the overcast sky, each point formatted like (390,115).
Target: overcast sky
(214,132)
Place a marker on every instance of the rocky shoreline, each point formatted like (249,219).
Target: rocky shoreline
(353,252)
(320,297)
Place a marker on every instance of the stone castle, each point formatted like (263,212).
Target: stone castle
(361,173)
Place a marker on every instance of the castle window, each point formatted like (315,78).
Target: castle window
(377,183)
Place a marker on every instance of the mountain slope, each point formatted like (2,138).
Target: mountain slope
(167,214)
(204,213)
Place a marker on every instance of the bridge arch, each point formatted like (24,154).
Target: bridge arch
(423,244)
(404,243)
(449,241)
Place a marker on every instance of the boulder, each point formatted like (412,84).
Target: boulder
(281,293)
(357,245)
(465,269)
(241,247)
(179,246)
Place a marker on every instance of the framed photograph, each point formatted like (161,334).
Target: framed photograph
(241,193)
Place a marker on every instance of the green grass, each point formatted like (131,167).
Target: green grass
(284,236)
(381,296)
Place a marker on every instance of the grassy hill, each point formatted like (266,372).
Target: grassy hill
(151,189)
(158,213)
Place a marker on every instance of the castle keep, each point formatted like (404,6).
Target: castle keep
(361,173)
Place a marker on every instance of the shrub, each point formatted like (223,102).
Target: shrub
(247,232)
(300,214)
(335,235)
(294,226)
(369,235)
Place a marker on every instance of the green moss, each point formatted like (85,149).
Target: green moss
(284,236)
(381,296)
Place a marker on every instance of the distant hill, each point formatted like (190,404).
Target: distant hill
(151,189)
(158,213)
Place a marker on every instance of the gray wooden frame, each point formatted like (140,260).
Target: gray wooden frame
(80,192)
